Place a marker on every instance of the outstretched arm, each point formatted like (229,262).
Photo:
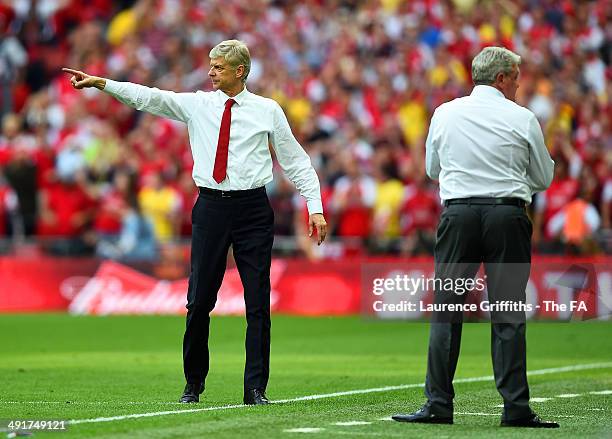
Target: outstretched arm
(177,106)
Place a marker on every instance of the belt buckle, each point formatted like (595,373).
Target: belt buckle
(225,194)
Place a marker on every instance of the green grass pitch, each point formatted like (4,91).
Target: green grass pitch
(56,366)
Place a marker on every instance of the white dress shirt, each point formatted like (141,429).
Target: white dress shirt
(484,145)
(256,122)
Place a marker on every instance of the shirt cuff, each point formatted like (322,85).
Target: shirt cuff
(314,206)
(110,86)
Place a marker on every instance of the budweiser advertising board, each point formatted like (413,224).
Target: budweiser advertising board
(336,287)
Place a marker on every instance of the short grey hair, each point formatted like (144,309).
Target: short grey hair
(235,53)
(490,62)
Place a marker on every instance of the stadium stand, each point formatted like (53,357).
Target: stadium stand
(358,81)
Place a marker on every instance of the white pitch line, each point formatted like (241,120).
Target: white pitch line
(568,395)
(539,399)
(304,430)
(152,414)
(336,394)
(351,423)
(602,392)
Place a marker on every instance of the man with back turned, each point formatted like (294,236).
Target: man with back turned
(230,129)
(489,156)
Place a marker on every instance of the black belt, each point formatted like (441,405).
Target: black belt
(487,201)
(231,194)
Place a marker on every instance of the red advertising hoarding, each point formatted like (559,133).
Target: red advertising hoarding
(90,286)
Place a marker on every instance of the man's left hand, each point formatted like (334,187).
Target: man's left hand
(317,220)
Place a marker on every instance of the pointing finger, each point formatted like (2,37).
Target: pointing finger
(74,72)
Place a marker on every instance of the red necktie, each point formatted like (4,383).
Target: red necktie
(223,143)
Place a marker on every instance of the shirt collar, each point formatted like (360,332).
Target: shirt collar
(487,91)
(239,98)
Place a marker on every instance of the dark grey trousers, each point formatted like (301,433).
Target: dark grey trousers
(500,237)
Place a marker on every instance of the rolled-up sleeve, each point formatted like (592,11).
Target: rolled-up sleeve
(541,167)
(177,106)
(294,161)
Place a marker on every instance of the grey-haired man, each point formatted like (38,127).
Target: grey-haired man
(231,169)
(489,155)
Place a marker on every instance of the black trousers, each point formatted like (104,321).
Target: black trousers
(499,236)
(245,223)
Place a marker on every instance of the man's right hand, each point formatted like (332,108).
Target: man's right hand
(81,80)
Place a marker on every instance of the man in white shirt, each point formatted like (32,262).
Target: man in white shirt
(490,158)
(229,132)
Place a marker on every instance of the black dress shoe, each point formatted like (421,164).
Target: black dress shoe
(255,397)
(192,393)
(425,416)
(530,422)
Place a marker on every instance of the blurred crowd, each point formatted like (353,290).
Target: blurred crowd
(358,81)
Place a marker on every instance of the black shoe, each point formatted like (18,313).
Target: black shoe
(424,415)
(530,422)
(255,397)
(192,393)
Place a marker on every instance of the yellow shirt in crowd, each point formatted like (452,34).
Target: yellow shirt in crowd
(389,198)
(159,206)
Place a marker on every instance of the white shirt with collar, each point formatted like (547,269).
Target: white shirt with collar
(256,122)
(484,145)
